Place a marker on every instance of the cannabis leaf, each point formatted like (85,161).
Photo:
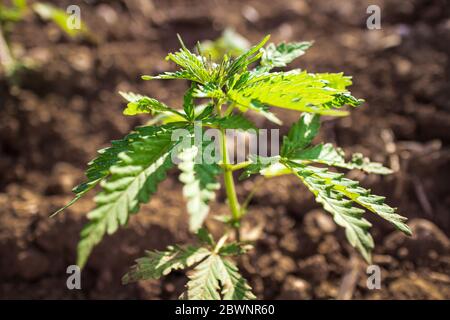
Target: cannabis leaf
(275,56)
(338,195)
(301,134)
(209,90)
(205,237)
(342,197)
(214,277)
(99,168)
(235,287)
(261,109)
(358,161)
(131,96)
(159,263)
(188,103)
(203,111)
(133,179)
(344,212)
(244,60)
(200,183)
(297,146)
(138,104)
(198,69)
(204,283)
(217,278)
(193,66)
(235,248)
(329,155)
(297,90)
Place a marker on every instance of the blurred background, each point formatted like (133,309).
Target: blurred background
(62,105)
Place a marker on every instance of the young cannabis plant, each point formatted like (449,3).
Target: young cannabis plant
(130,170)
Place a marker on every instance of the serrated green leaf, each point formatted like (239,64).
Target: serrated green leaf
(209,90)
(132,180)
(204,236)
(188,103)
(217,278)
(79,191)
(182,74)
(241,63)
(360,162)
(99,168)
(139,104)
(200,184)
(321,153)
(198,69)
(338,195)
(297,90)
(255,105)
(193,66)
(147,105)
(345,214)
(160,263)
(204,111)
(235,249)
(204,281)
(373,203)
(329,155)
(234,286)
(131,96)
(263,110)
(301,134)
(201,111)
(275,56)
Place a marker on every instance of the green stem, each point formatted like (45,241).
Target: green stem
(239,166)
(229,180)
(230,188)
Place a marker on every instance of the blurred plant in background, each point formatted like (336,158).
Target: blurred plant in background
(230,42)
(16,12)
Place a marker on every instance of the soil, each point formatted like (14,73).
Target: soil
(67,108)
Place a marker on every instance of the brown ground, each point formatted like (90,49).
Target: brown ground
(69,107)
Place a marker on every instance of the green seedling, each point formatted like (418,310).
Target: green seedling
(219,97)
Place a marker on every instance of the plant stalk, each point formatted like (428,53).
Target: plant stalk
(229,180)
(230,188)
(240,166)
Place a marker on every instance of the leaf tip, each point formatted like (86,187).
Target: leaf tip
(181,41)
